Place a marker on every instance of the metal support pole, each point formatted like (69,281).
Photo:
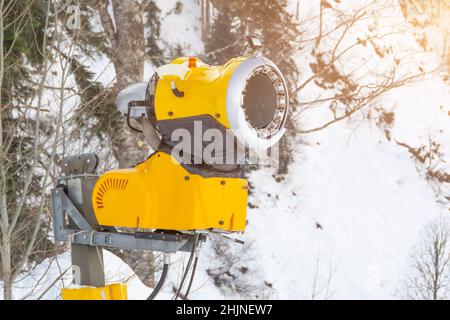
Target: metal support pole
(87,261)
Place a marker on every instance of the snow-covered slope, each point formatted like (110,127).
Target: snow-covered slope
(358,206)
(345,220)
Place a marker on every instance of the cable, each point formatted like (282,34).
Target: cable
(227,238)
(188,266)
(162,279)
(194,267)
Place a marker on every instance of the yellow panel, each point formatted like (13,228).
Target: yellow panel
(118,291)
(235,193)
(204,92)
(160,194)
(111,292)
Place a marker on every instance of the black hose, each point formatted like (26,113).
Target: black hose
(188,266)
(175,91)
(178,93)
(160,282)
(192,279)
(130,105)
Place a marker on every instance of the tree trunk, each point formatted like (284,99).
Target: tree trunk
(128,58)
(205,18)
(6,242)
(6,267)
(127,55)
(5,245)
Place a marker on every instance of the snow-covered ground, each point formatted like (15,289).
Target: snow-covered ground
(370,203)
(342,223)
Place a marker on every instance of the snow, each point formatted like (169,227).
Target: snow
(181,29)
(369,200)
(343,222)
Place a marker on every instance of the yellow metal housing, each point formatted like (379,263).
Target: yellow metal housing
(205,90)
(160,194)
(247,95)
(117,291)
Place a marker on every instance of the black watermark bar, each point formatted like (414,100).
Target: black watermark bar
(232,309)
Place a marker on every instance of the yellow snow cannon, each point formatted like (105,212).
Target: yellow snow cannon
(202,117)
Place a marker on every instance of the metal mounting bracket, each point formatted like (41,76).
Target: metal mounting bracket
(85,234)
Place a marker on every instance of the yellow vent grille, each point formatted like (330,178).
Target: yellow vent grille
(109,184)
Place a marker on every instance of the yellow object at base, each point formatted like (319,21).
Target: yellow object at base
(161,194)
(117,291)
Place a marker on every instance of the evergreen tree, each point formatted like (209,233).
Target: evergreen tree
(23,48)
(153,25)
(270,20)
(127,52)
(96,102)
(223,42)
(23,36)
